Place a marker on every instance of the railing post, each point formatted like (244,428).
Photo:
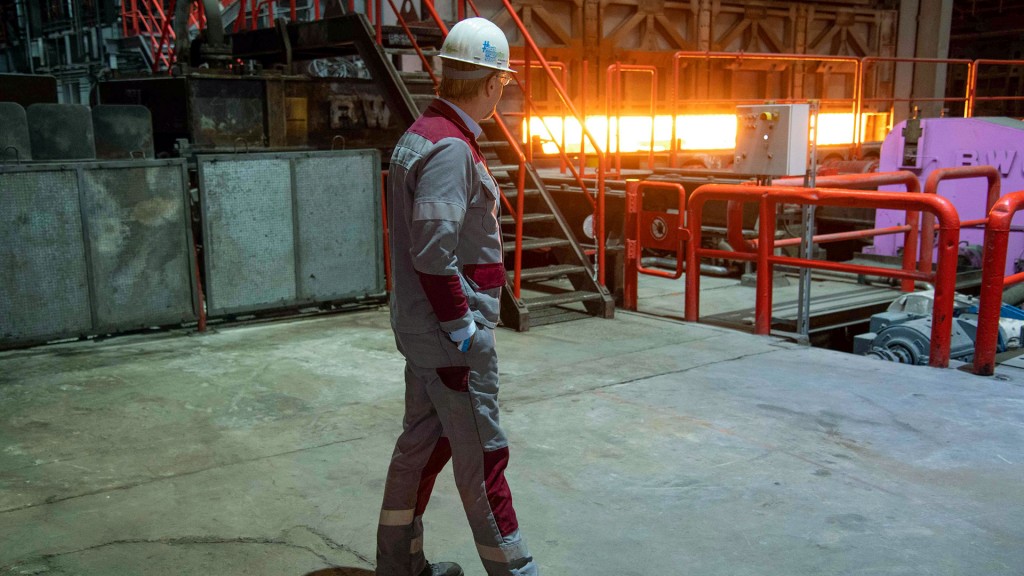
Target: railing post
(631,276)
(997,236)
(694,213)
(600,224)
(387,232)
(765,247)
(945,288)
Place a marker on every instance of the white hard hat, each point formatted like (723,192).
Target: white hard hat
(476,41)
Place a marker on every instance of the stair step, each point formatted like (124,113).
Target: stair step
(548,300)
(537,244)
(416,77)
(491,144)
(428,52)
(548,272)
(511,191)
(505,168)
(554,315)
(529,218)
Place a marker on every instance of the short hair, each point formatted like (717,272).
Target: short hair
(458,89)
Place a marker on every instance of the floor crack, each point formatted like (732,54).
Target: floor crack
(185,541)
(334,545)
(647,377)
(56,499)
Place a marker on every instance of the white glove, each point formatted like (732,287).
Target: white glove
(463,337)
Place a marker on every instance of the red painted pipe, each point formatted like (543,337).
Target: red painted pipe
(931,186)
(770,197)
(631,274)
(682,234)
(997,236)
(387,232)
(871,181)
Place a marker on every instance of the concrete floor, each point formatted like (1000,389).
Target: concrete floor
(640,447)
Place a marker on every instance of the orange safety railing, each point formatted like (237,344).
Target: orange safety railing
(613,98)
(931,186)
(869,181)
(972,84)
(387,230)
(651,229)
(768,199)
(599,203)
(868,62)
(994,280)
(147,18)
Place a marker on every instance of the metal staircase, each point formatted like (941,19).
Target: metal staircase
(550,277)
(556,280)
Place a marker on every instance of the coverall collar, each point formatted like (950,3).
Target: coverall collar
(467,122)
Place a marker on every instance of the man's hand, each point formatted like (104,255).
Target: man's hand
(463,337)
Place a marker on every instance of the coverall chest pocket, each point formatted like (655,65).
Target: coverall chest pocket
(486,202)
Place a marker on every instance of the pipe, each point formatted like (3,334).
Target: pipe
(871,181)
(932,187)
(682,234)
(997,236)
(770,197)
(972,82)
(671,264)
(28,38)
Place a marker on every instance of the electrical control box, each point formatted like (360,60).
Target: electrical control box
(772,139)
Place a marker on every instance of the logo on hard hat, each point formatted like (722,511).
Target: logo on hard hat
(490,52)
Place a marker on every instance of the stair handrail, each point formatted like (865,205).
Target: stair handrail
(517,214)
(131,15)
(564,158)
(415,44)
(599,216)
(166,37)
(159,31)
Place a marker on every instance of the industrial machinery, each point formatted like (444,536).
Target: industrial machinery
(924,146)
(902,333)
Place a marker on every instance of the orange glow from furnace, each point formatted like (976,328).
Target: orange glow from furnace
(693,132)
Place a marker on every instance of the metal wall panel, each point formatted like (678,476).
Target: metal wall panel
(123,132)
(248,233)
(45,288)
(15,144)
(61,132)
(338,207)
(289,229)
(140,251)
(93,248)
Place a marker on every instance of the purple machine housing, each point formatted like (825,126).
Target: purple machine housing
(948,143)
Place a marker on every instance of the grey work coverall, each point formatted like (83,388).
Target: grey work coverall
(446,262)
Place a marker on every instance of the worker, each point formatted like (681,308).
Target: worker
(447,271)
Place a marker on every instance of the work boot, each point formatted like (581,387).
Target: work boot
(442,569)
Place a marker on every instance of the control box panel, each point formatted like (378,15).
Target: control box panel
(772,139)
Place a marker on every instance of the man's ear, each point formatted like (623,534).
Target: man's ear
(493,84)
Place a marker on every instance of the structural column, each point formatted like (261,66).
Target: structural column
(923,33)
